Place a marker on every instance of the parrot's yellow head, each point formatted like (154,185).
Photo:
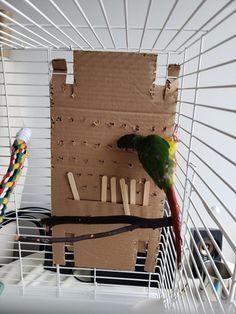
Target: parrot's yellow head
(173,146)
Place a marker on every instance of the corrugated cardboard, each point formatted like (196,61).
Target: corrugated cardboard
(113,95)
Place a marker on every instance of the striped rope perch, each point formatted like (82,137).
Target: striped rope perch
(18,156)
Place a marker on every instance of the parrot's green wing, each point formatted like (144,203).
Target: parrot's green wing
(154,157)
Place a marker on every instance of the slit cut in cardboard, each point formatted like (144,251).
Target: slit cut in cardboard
(113,94)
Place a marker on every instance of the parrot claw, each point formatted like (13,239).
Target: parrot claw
(175,133)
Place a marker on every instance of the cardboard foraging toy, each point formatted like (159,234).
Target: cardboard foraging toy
(113,94)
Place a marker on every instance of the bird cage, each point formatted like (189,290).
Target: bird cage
(41,41)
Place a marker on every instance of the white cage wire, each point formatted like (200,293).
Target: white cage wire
(198,35)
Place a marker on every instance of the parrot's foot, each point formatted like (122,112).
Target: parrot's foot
(175,133)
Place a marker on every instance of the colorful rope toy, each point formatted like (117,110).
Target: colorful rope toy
(18,156)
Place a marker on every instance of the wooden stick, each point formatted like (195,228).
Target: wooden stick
(133,191)
(133,224)
(127,191)
(104,189)
(113,189)
(146,193)
(124,195)
(73,187)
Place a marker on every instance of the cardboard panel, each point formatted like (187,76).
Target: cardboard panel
(113,95)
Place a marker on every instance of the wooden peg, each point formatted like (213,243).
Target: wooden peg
(73,187)
(146,193)
(127,192)
(113,189)
(104,189)
(124,195)
(133,191)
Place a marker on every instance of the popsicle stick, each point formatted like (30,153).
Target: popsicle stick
(127,191)
(124,195)
(133,191)
(113,189)
(104,189)
(73,187)
(146,193)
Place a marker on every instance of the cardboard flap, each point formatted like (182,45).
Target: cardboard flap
(59,65)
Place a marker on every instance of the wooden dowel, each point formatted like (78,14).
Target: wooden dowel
(127,192)
(133,191)
(113,189)
(73,187)
(124,195)
(146,193)
(104,189)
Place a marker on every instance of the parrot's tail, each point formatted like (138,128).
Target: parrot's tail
(175,214)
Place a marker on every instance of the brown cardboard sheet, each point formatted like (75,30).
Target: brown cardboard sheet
(113,94)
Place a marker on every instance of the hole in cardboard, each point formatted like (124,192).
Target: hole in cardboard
(60,158)
(123,126)
(139,180)
(153,129)
(98,145)
(109,146)
(136,128)
(59,119)
(110,124)
(95,123)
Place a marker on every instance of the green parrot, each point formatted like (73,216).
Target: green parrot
(157,156)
